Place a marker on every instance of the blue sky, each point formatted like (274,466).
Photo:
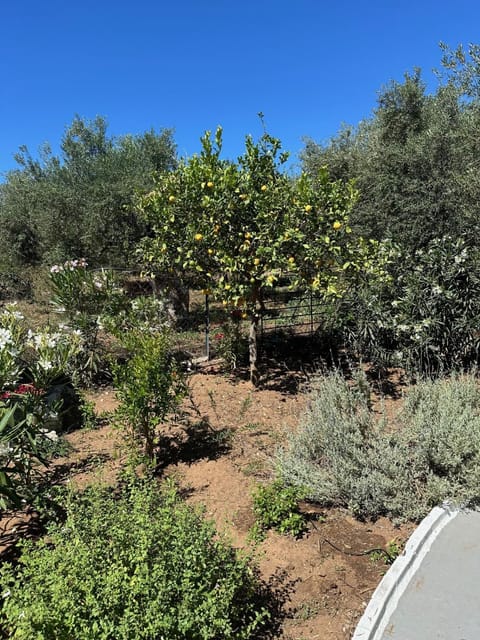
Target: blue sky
(308,65)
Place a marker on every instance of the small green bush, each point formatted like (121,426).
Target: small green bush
(276,507)
(344,456)
(149,385)
(136,566)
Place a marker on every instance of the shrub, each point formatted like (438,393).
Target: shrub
(87,298)
(276,507)
(149,386)
(36,400)
(425,318)
(23,448)
(137,566)
(231,344)
(345,457)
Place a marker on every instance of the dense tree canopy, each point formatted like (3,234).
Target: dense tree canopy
(239,227)
(79,203)
(415,161)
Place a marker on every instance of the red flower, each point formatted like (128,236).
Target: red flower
(24,389)
(219,336)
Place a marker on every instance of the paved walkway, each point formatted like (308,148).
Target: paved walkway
(434,591)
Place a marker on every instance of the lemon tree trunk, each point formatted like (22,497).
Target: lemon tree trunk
(252,350)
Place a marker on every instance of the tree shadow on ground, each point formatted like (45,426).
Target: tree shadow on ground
(288,361)
(386,382)
(191,442)
(273,595)
(60,472)
(15,527)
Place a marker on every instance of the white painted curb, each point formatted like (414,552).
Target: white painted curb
(394,583)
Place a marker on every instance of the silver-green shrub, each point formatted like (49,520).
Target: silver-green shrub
(348,457)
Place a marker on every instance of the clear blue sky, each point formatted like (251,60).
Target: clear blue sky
(308,65)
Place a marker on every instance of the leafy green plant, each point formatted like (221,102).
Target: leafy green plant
(276,507)
(134,565)
(389,554)
(86,409)
(23,448)
(149,386)
(230,344)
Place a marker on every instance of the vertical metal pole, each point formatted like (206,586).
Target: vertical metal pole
(311,312)
(207,328)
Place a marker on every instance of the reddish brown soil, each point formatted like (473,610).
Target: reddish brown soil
(218,451)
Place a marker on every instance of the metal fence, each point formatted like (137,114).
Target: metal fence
(295,312)
(285,311)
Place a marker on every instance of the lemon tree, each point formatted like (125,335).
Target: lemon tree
(236,227)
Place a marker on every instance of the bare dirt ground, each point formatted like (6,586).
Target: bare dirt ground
(218,452)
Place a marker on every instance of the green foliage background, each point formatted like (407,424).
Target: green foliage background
(80,203)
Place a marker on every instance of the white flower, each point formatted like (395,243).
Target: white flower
(37,340)
(5,338)
(56,268)
(45,364)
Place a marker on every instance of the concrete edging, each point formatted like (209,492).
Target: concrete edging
(386,596)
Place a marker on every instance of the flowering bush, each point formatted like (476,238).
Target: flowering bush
(31,365)
(54,353)
(87,298)
(425,318)
(81,293)
(24,433)
(11,338)
(144,313)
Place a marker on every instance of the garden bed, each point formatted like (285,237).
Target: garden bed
(325,578)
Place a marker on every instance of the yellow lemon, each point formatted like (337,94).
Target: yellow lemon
(209,184)
(198,237)
(171,198)
(337,225)
(291,260)
(210,252)
(244,316)
(263,187)
(256,262)
(308,208)
(248,235)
